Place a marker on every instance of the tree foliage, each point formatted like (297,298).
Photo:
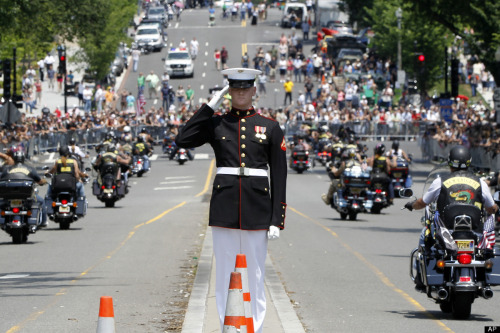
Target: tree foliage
(434,25)
(34,27)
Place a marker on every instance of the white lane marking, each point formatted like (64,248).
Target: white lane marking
(179,177)
(51,158)
(171,188)
(201,156)
(201,87)
(154,157)
(14,276)
(203,74)
(155,101)
(178,182)
(205,64)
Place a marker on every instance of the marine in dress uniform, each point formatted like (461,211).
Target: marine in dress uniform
(249,191)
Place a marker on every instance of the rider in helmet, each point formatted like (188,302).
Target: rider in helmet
(67,165)
(75,150)
(443,188)
(397,152)
(349,159)
(381,166)
(16,169)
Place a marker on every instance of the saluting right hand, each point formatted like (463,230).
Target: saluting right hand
(217,99)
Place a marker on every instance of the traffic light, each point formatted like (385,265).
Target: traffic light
(62,62)
(421,58)
(455,79)
(7,80)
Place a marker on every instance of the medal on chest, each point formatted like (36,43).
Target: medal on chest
(260,132)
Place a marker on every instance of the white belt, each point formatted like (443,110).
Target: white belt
(241,171)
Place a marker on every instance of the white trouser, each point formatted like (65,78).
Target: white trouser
(227,244)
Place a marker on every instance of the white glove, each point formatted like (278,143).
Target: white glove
(273,233)
(218,97)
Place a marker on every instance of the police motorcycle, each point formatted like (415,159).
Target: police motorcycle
(452,265)
(106,187)
(20,212)
(168,143)
(353,197)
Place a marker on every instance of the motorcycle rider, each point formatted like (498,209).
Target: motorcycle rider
(76,151)
(142,149)
(397,152)
(112,156)
(67,165)
(381,166)
(18,170)
(443,188)
(336,169)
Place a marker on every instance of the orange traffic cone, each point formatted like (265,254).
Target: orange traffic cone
(241,267)
(235,321)
(106,322)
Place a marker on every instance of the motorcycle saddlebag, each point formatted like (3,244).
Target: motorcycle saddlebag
(432,276)
(64,182)
(16,189)
(120,190)
(493,277)
(96,189)
(81,206)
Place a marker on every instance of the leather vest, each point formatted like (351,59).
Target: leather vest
(380,164)
(109,157)
(460,187)
(69,168)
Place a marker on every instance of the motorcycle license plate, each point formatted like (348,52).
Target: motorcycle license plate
(108,190)
(16,203)
(465,245)
(356,190)
(397,174)
(63,209)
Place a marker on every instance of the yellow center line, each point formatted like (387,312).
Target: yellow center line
(63,291)
(376,271)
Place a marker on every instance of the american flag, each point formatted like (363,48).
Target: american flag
(141,101)
(488,241)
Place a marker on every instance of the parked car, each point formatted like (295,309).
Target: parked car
(179,63)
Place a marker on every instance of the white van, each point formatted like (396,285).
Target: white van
(293,11)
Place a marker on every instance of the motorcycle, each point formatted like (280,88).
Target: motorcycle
(451,266)
(168,144)
(299,159)
(379,192)
(64,207)
(400,175)
(323,155)
(181,156)
(353,197)
(20,213)
(107,189)
(138,166)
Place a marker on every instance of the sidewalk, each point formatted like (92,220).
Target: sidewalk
(202,316)
(52,98)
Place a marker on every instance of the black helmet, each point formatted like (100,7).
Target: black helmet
(395,144)
(459,157)
(110,135)
(18,156)
(140,138)
(72,141)
(379,149)
(143,130)
(64,151)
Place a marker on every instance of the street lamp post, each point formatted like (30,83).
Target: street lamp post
(401,73)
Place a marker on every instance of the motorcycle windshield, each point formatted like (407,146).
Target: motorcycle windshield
(439,171)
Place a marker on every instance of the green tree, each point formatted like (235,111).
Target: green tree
(476,21)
